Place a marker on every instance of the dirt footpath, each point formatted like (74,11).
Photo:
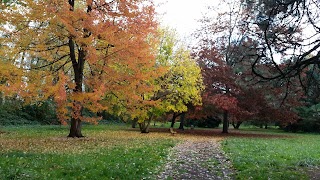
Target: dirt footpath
(197,159)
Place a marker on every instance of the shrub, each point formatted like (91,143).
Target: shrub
(309,120)
(7,118)
(13,112)
(208,122)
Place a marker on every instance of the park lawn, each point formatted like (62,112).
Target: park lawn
(274,158)
(118,152)
(108,152)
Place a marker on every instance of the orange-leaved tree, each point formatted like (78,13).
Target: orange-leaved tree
(83,54)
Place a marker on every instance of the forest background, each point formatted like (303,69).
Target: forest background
(83,61)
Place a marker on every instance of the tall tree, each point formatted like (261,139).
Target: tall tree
(288,33)
(181,85)
(84,54)
(226,52)
(220,38)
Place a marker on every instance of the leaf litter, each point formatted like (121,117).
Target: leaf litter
(197,159)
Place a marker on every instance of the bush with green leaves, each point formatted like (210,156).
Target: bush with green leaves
(14,112)
(9,118)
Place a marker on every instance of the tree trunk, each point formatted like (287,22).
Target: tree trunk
(266,126)
(182,121)
(233,124)
(236,125)
(1,99)
(144,126)
(134,123)
(225,113)
(78,67)
(75,128)
(225,122)
(173,120)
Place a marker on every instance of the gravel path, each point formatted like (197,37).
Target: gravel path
(197,160)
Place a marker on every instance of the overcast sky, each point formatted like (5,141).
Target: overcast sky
(182,14)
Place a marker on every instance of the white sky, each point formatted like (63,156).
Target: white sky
(182,14)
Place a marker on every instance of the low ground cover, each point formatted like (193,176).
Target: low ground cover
(119,152)
(109,152)
(293,156)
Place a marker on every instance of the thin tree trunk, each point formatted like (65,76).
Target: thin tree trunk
(236,125)
(225,122)
(144,126)
(148,126)
(1,99)
(225,113)
(182,121)
(173,120)
(233,124)
(141,126)
(134,123)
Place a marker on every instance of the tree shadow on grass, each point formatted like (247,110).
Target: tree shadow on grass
(3,132)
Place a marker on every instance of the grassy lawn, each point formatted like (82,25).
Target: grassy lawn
(116,152)
(109,152)
(274,158)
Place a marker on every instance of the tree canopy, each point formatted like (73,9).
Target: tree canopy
(181,85)
(251,61)
(80,53)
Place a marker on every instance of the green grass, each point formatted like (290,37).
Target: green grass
(113,152)
(273,158)
(109,152)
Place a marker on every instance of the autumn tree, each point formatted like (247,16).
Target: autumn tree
(288,35)
(226,52)
(83,54)
(221,38)
(184,82)
(181,85)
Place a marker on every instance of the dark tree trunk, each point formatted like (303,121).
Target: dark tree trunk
(233,124)
(225,122)
(134,123)
(1,99)
(225,126)
(144,126)
(182,121)
(75,128)
(78,66)
(266,126)
(173,120)
(174,117)
(236,125)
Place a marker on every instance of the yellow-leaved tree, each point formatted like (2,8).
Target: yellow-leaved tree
(83,54)
(182,83)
